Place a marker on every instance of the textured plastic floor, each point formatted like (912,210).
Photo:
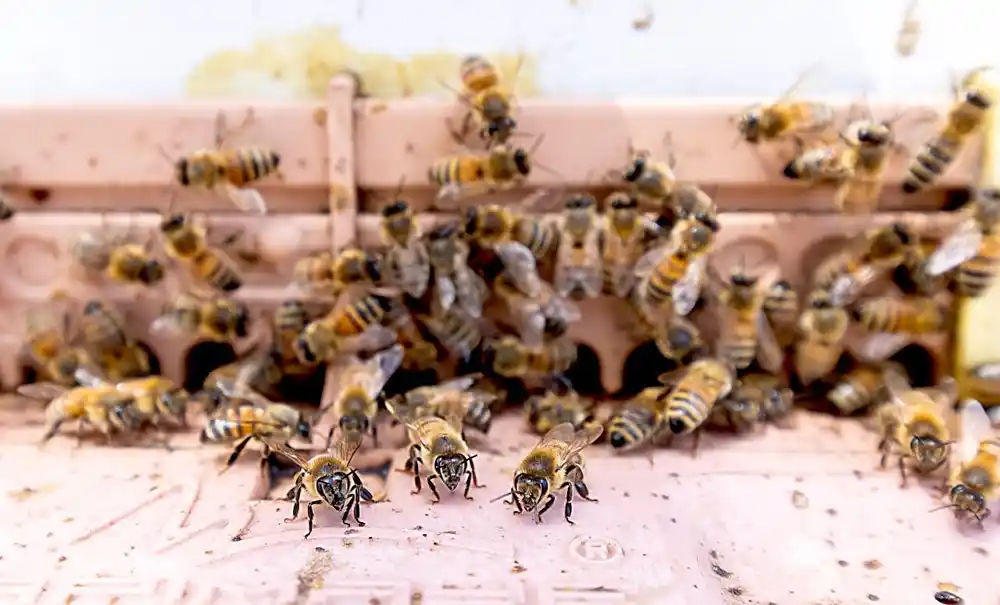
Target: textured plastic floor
(795,516)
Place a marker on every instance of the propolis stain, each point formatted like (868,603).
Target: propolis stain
(300,66)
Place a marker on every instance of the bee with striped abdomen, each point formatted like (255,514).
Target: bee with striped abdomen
(456,330)
(500,168)
(231,169)
(626,236)
(746,333)
(186,243)
(695,391)
(156,398)
(490,103)
(822,330)
(876,251)
(116,259)
(974,99)
(555,463)
(784,117)
(975,480)
(892,321)
(215,319)
(640,421)
(360,384)
(861,387)
(545,412)
(493,225)
(289,320)
(434,400)
(406,262)
(355,323)
(511,357)
(578,270)
(972,250)
(324,273)
(103,407)
(454,282)
(869,146)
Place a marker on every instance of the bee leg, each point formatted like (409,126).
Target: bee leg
(514,500)
(883,446)
(694,443)
(237,451)
(548,504)
(430,484)
(472,474)
(902,472)
(411,460)
(568,510)
(295,495)
(310,515)
(468,484)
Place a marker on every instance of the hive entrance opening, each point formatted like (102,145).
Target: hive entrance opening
(202,359)
(585,373)
(919,364)
(642,369)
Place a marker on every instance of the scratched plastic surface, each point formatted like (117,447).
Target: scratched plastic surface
(793,516)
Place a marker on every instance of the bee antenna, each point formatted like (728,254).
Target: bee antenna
(934,510)
(399,188)
(502,496)
(538,143)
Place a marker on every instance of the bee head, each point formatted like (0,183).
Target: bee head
(874,134)
(744,409)
(623,202)
(334,489)
(182,171)
(395,209)
(275,158)
(820,300)
(967,500)
(171,223)
(501,125)
(635,170)
(928,452)
(680,338)
(451,468)
(175,402)
(152,272)
(978,98)
(522,162)
(530,490)
(579,202)
(93,307)
(749,126)
(742,280)
(792,169)
(355,424)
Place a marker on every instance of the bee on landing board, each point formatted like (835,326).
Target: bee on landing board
(973,101)
(545,412)
(822,332)
(104,408)
(406,264)
(327,478)
(435,400)
(511,357)
(159,400)
(627,235)
(490,102)
(436,444)
(914,424)
(975,480)
(758,397)
(47,345)
(578,270)
(745,332)
(494,225)
(231,169)
(651,181)
(102,333)
(696,389)
(555,463)
(784,117)
(640,421)
(454,282)
(972,250)
(207,265)
(680,340)
(861,387)
(359,385)
(457,331)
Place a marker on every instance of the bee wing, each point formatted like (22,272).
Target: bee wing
(845,288)
(285,450)
(462,383)
(374,338)
(452,406)
(246,199)
(381,367)
(445,292)
(471,291)
(345,446)
(648,261)
(41,390)
(533,329)
(519,264)
(879,347)
(687,290)
(577,441)
(955,249)
(89,377)
(896,382)
(769,352)
(975,427)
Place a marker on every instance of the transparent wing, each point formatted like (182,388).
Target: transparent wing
(246,199)
(845,288)
(769,352)
(41,390)
(452,406)
(422,430)
(687,290)
(471,291)
(879,347)
(381,367)
(372,339)
(445,292)
(578,441)
(648,261)
(533,329)
(285,450)
(462,383)
(976,427)
(958,247)
(346,445)
(520,266)
(896,382)
(89,377)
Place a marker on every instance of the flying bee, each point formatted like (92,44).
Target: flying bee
(454,281)
(973,248)
(974,98)
(116,259)
(104,408)
(641,421)
(696,389)
(428,401)
(500,168)
(675,271)
(913,424)
(976,479)
(578,270)
(231,169)
(324,273)
(510,357)
(406,262)
(355,323)
(626,236)
(892,321)
(555,463)
(909,31)
(489,102)
(215,319)
(545,412)
(157,399)
(327,478)
(436,444)
(876,251)
(360,384)
(784,117)
(823,163)
(186,242)
(746,333)
(456,330)
(869,146)
(680,340)
(822,331)
(862,387)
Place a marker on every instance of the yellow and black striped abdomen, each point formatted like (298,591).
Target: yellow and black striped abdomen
(233,423)
(361,315)
(537,235)
(668,272)
(457,170)
(631,427)
(478,74)
(248,164)
(216,270)
(741,343)
(977,274)
(688,406)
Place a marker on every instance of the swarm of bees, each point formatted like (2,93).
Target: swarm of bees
(419,301)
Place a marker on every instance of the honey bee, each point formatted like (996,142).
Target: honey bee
(156,398)
(680,340)
(649,180)
(745,333)
(502,167)
(538,315)
(869,146)
(822,329)
(555,463)
(973,248)
(288,322)
(784,117)
(435,400)
(821,163)
(48,350)
(360,384)
(544,412)
(215,319)
(436,444)
(102,332)
(641,421)
(116,259)
(511,358)
(489,102)
(675,271)
(324,273)
(578,270)
(975,480)
(407,265)
(493,225)
(893,320)
(103,407)
(231,169)
(187,243)
(355,323)
(758,397)
(874,252)
(697,388)
(913,424)
(973,101)
(327,478)
(691,202)
(626,236)
(909,31)
(456,330)
(861,387)
(454,281)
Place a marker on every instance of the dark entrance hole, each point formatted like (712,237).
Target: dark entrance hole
(202,359)
(642,369)
(585,373)
(919,363)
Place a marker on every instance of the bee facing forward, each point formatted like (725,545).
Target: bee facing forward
(435,400)
(116,259)
(973,101)
(640,421)
(351,325)
(976,479)
(327,478)
(103,407)
(626,235)
(766,123)
(746,333)
(407,265)
(555,463)
(870,144)
(230,169)
(578,270)
(502,167)
(187,243)
(972,249)
(489,101)
(215,319)
(913,424)
(545,412)
(696,389)
(436,444)
(356,404)
(822,330)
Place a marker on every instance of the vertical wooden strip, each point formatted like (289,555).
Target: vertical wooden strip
(340,134)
